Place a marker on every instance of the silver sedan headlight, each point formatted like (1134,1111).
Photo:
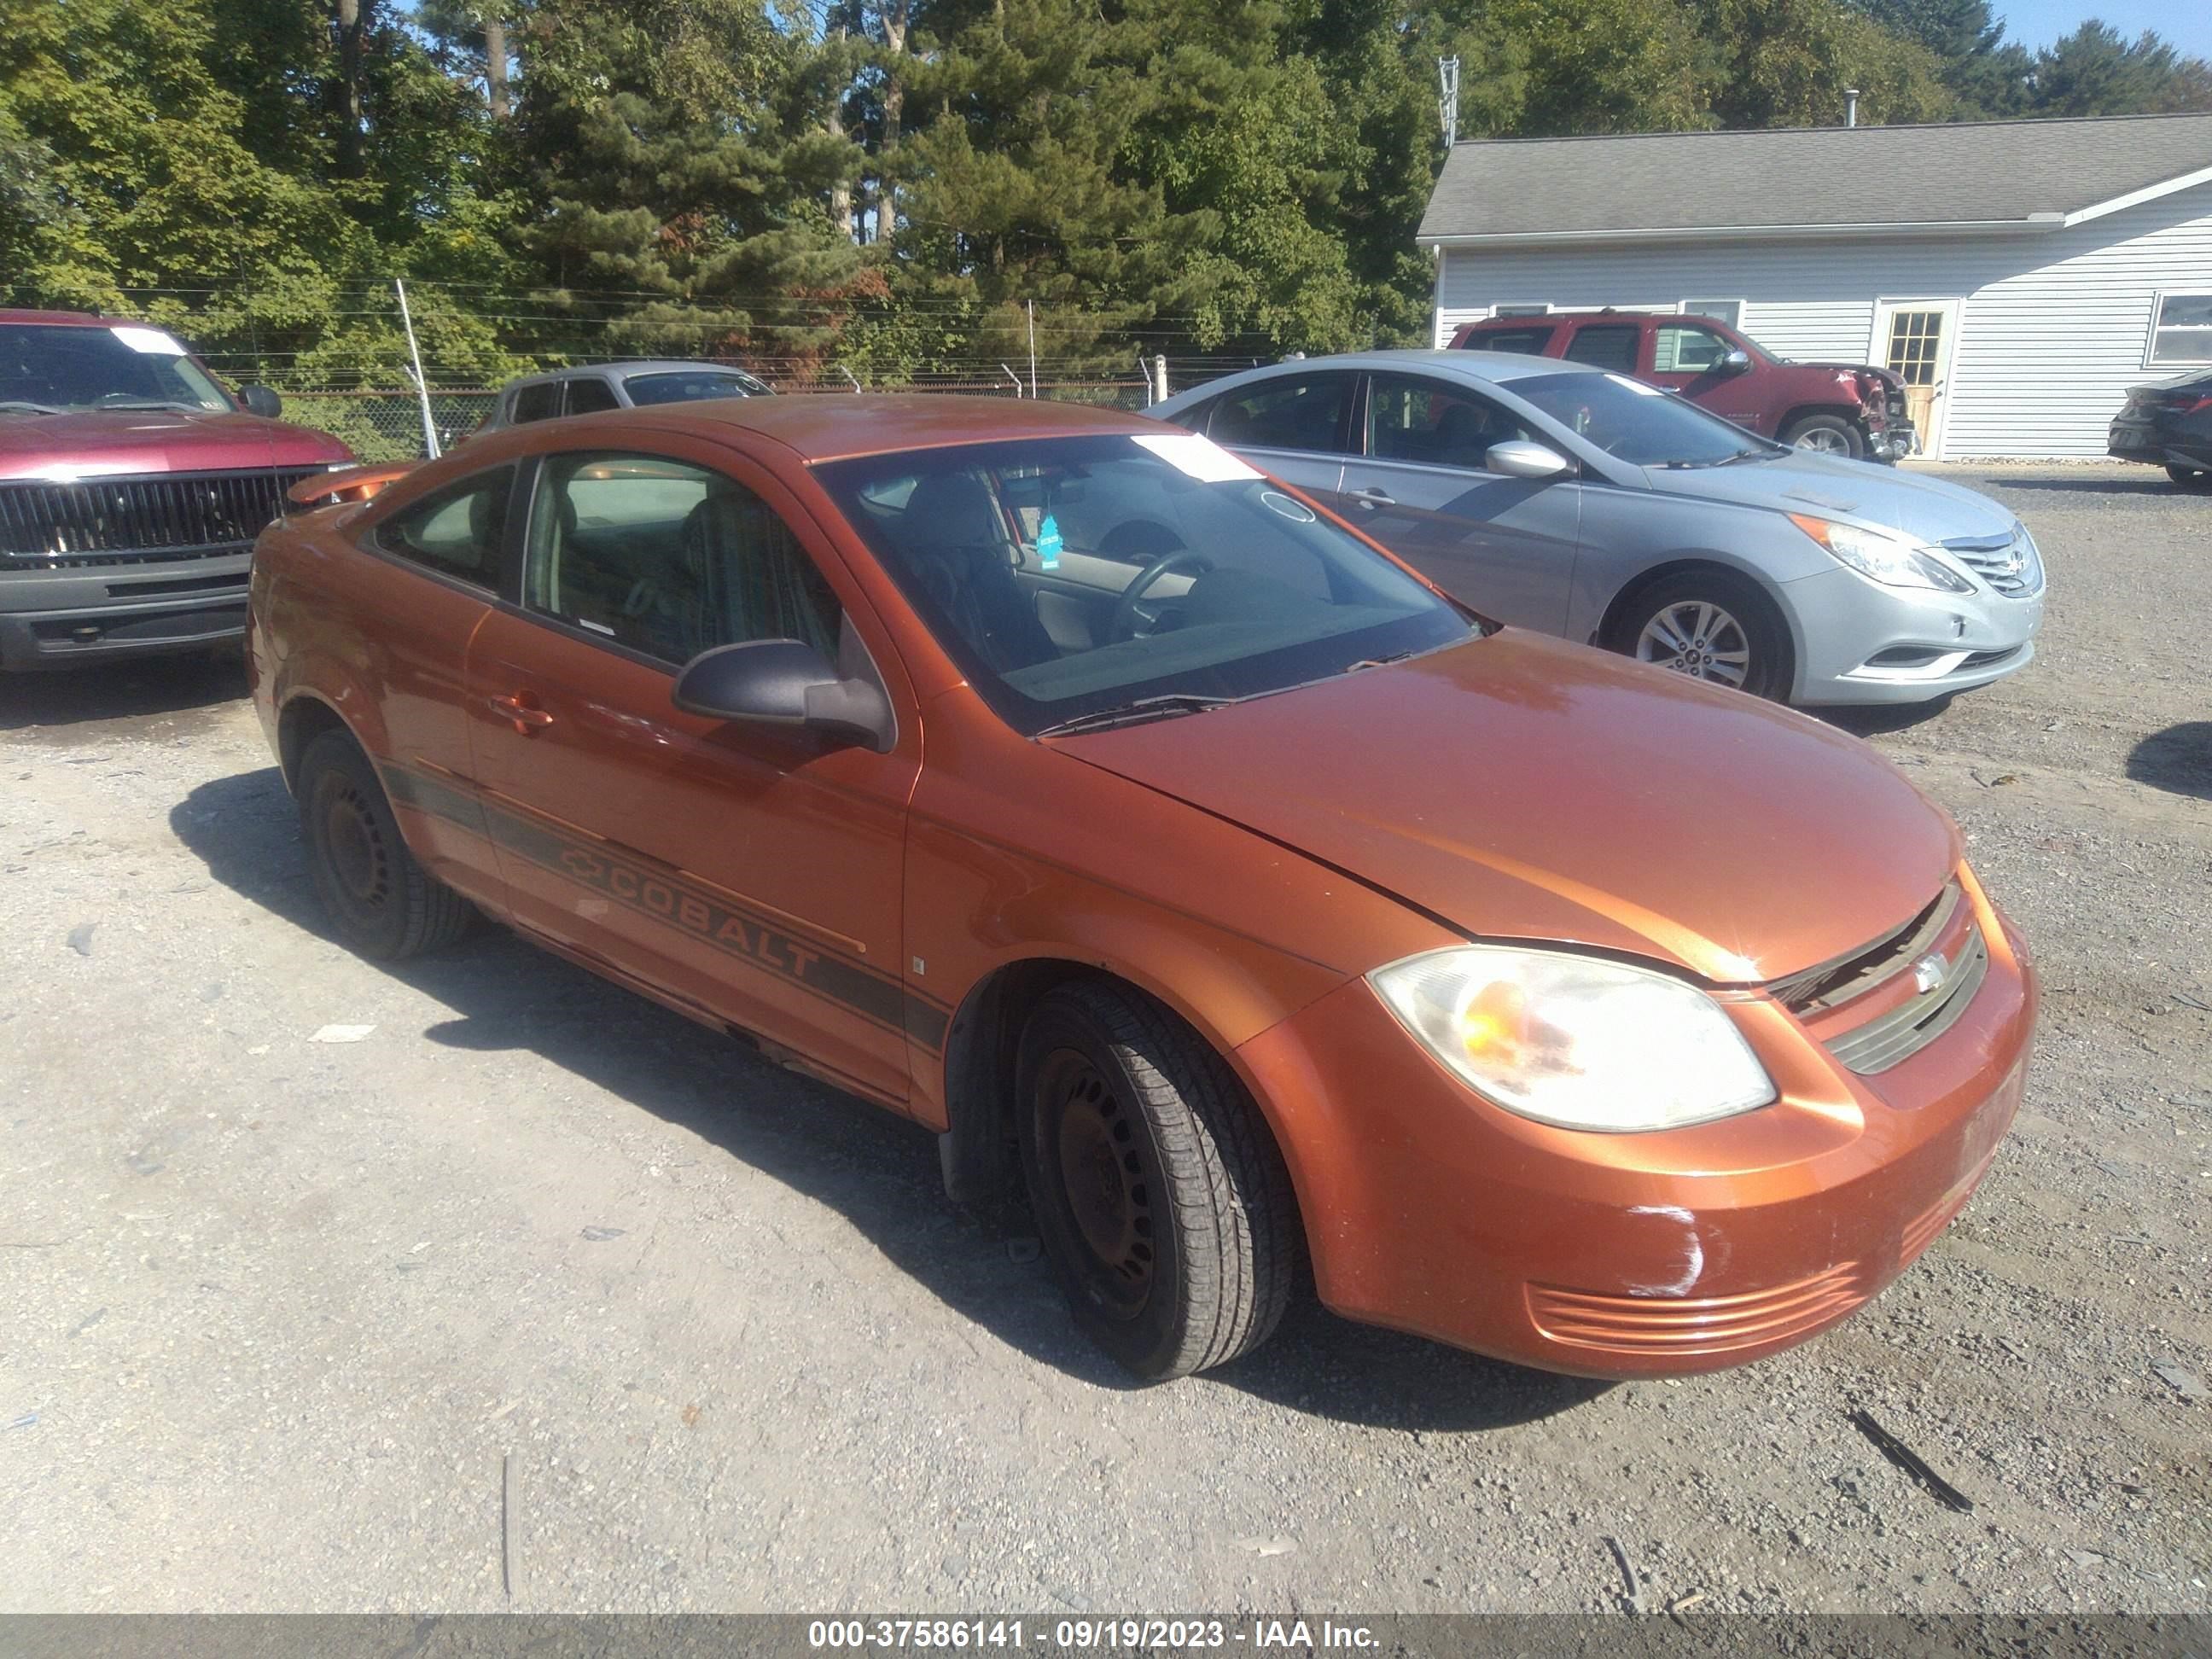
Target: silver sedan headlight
(1895,561)
(1574,1040)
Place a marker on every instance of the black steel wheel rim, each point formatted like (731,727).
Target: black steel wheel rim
(1093,1149)
(355,851)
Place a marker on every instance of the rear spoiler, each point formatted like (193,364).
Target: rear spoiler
(351,483)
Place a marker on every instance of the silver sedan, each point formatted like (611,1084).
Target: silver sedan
(1556,496)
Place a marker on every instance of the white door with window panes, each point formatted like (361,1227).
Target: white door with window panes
(1914,340)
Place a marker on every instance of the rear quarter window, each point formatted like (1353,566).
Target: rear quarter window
(457,532)
(1530,342)
(540,402)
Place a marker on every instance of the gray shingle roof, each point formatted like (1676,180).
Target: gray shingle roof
(1699,183)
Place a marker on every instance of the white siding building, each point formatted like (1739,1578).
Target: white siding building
(2055,264)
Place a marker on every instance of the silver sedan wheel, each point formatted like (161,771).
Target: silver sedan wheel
(1826,439)
(1699,639)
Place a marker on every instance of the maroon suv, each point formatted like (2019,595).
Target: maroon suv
(1843,409)
(132,484)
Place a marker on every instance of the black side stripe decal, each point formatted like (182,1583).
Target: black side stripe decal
(828,972)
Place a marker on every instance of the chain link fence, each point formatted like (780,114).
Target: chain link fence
(385,424)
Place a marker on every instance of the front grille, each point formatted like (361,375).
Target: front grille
(1694,1325)
(171,515)
(1944,938)
(2007,563)
(1832,984)
(1891,1039)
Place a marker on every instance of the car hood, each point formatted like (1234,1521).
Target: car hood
(92,443)
(1860,491)
(1522,787)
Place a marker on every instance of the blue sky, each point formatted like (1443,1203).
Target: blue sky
(2187,23)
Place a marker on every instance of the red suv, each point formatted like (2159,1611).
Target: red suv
(1843,409)
(132,484)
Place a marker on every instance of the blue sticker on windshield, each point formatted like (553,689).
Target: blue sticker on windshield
(1048,543)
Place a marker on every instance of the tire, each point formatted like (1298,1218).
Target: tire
(1744,620)
(1827,435)
(2190,478)
(1159,1194)
(381,903)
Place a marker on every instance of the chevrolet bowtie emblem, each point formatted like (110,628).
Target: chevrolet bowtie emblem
(1931,970)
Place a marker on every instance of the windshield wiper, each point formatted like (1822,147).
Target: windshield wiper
(1762,455)
(26,406)
(154,403)
(1718,460)
(1164,707)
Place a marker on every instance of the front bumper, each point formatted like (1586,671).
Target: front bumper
(1858,641)
(59,618)
(1893,442)
(1628,1255)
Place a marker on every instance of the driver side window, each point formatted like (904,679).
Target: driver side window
(669,559)
(1686,349)
(1410,418)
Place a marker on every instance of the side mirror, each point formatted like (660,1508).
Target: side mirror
(786,682)
(1736,361)
(1517,458)
(260,400)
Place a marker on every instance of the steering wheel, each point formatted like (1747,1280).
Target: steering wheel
(1125,614)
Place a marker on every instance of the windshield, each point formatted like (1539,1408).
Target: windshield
(1637,424)
(44,366)
(1075,577)
(685,385)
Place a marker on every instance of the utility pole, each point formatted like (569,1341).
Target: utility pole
(1032,308)
(1448,101)
(421,391)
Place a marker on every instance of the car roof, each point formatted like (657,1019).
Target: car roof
(1499,367)
(1612,313)
(634,366)
(829,426)
(68,319)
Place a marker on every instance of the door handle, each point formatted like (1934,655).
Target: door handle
(527,717)
(1374,497)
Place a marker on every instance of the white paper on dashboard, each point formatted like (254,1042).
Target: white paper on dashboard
(1198,455)
(1637,386)
(151,341)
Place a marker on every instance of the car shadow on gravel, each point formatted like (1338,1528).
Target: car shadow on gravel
(878,1170)
(150,687)
(2151,483)
(1872,719)
(2177,760)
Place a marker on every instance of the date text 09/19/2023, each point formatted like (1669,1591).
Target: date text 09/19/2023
(1078,1635)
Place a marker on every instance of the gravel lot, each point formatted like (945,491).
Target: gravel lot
(278,1313)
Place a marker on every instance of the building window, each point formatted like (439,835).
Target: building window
(1727,311)
(2182,332)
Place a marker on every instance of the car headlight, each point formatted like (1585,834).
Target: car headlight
(1574,1040)
(1895,561)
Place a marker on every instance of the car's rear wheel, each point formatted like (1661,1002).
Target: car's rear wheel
(2190,478)
(1826,434)
(382,903)
(1710,626)
(1160,1196)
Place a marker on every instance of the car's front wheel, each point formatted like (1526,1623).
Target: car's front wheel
(1710,626)
(1827,435)
(2190,478)
(381,901)
(1159,1195)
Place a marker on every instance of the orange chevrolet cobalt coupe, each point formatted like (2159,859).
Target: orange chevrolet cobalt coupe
(1050,776)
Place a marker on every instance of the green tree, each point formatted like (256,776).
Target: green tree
(2096,70)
